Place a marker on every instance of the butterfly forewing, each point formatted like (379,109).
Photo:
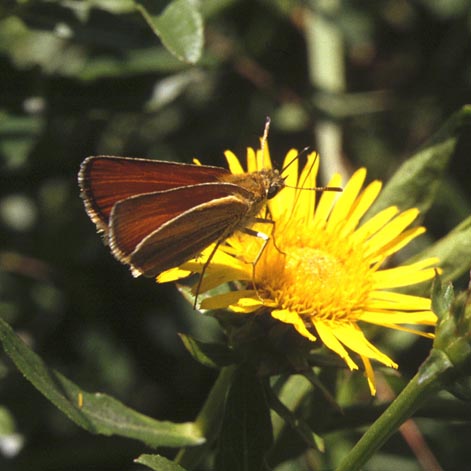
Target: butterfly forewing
(106,180)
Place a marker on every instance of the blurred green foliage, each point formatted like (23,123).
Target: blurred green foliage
(81,78)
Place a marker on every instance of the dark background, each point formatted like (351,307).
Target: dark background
(407,69)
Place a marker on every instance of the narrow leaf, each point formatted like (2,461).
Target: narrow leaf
(212,355)
(95,412)
(180,28)
(453,251)
(296,423)
(158,463)
(415,182)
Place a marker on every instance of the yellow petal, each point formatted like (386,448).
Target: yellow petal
(252,160)
(222,301)
(285,202)
(409,330)
(347,198)
(305,197)
(290,168)
(370,374)
(363,203)
(373,225)
(324,329)
(263,159)
(379,254)
(214,278)
(398,301)
(405,275)
(398,317)
(289,317)
(391,230)
(233,162)
(352,336)
(326,201)
(248,304)
(172,275)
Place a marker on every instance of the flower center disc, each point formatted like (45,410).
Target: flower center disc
(319,284)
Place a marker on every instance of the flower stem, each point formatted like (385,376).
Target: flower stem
(432,377)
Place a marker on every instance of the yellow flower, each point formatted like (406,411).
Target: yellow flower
(323,270)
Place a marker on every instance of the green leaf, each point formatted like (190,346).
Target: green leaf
(246,433)
(212,355)
(95,412)
(292,391)
(415,182)
(453,250)
(296,423)
(180,28)
(442,297)
(159,463)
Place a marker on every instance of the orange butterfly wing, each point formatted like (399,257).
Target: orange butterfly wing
(105,180)
(161,230)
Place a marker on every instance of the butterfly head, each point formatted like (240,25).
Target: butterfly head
(273,182)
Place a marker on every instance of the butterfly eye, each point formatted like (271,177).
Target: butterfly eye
(272,191)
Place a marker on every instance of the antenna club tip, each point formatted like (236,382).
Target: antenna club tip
(267,127)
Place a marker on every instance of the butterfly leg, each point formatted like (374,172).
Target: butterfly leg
(272,236)
(205,266)
(265,239)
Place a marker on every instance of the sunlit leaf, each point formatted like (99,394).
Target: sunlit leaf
(95,412)
(180,28)
(159,463)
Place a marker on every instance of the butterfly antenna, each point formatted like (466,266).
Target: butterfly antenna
(306,177)
(264,139)
(296,157)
